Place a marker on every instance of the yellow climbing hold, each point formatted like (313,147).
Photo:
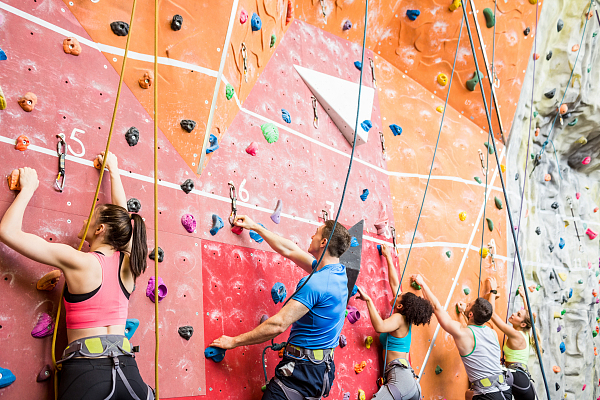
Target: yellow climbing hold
(462,215)
(457,3)
(361,394)
(503,167)
(557,314)
(483,252)
(369,341)
(562,276)
(582,140)
(566,223)
(2,100)
(440,109)
(442,79)
(533,2)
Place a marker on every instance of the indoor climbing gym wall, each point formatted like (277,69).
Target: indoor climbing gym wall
(259,99)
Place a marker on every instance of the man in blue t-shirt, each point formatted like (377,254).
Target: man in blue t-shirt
(316,313)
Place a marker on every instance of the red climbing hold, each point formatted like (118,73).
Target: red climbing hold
(252,149)
(290,12)
(536,56)
(586,160)
(147,80)
(237,230)
(243,16)
(44,374)
(563,109)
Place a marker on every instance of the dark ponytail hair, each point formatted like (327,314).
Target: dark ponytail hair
(120,231)
(416,310)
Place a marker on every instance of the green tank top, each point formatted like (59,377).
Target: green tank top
(520,356)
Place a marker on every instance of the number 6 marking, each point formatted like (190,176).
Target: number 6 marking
(78,141)
(244,195)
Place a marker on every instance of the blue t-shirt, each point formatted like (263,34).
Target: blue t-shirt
(325,295)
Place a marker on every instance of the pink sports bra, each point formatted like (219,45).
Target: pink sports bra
(105,306)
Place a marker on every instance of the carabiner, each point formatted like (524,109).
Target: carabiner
(316,116)
(61,150)
(393,232)
(483,169)
(382,142)
(323,8)
(373,72)
(233,197)
(492,250)
(245,59)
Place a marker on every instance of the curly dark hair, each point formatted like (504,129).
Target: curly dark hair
(416,310)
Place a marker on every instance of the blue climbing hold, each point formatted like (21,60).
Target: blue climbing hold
(256,22)
(256,237)
(412,14)
(217,224)
(396,130)
(3,55)
(358,65)
(354,242)
(364,195)
(131,326)
(366,125)
(214,353)
(286,115)
(278,292)
(563,348)
(379,249)
(6,377)
(214,144)
(570,292)
(561,243)
(354,291)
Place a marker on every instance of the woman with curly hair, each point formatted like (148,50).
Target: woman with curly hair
(395,335)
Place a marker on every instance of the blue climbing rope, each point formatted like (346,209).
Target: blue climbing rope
(428,179)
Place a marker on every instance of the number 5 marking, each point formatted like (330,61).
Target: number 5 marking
(78,141)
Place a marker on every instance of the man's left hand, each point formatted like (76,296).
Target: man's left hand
(224,342)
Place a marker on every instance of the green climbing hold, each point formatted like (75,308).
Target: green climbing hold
(535,114)
(456,308)
(467,291)
(489,147)
(595,34)
(594,333)
(490,20)
(597,273)
(538,287)
(563,312)
(580,281)
(270,132)
(415,285)
(448,254)
(472,83)
(229,91)
(574,122)
(438,370)
(273,40)
(498,203)
(477,179)
(345,315)
(490,224)
(532,156)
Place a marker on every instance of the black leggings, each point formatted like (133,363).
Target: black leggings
(522,387)
(91,379)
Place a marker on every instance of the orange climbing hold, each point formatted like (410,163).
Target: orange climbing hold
(358,368)
(563,109)
(556,369)
(49,281)
(531,288)
(72,46)
(13,180)
(97,163)
(575,47)
(537,132)
(147,80)
(536,56)
(547,177)
(22,143)
(28,102)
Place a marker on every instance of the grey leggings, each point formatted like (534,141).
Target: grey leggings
(402,378)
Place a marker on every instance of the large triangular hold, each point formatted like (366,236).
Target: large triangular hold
(339,98)
(353,256)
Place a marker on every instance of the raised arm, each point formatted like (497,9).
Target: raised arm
(117,192)
(379,324)
(281,245)
(522,294)
(392,273)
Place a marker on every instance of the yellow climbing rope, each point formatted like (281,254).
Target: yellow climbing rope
(156,196)
(87,226)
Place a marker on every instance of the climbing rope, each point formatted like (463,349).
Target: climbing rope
(156,321)
(512,227)
(428,180)
(93,208)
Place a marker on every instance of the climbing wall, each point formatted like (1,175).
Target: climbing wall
(221,284)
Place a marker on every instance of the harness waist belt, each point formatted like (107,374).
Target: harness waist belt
(316,355)
(516,365)
(490,381)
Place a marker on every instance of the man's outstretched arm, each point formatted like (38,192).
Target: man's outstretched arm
(283,246)
(270,329)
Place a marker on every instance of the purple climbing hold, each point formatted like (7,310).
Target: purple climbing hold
(366,125)
(353,314)
(346,396)
(559,328)
(343,341)
(263,318)
(358,65)
(162,289)
(189,222)
(278,292)
(276,216)
(396,130)
(44,326)
(347,25)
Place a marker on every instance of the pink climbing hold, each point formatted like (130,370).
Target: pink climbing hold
(577,195)
(252,149)
(584,385)
(44,326)
(591,234)
(382,223)
(586,160)
(353,314)
(243,16)
(189,222)
(162,289)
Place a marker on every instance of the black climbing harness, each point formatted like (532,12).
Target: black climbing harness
(513,367)
(233,197)
(61,150)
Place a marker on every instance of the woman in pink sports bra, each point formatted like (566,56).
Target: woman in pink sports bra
(98,363)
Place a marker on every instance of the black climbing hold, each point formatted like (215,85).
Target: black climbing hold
(549,55)
(132,136)
(188,125)
(554,205)
(134,205)
(538,230)
(551,248)
(527,31)
(560,25)
(557,386)
(161,254)
(187,186)
(176,22)
(120,28)
(186,332)
(550,94)
(517,176)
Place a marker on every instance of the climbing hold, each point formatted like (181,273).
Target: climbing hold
(44,374)
(252,148)
(354,291)
(28,102)
(531,288)
(354,242)
(161,254)
(517,176)
(368,342)
(562,276)
(285,115)
(498,203)
(256,237)
(278,292)
(2,100)
(591,234)
(22,143)
(71,46)
(186,331)
(44,326)
(3,55)
(560,25)
(562,346)
(490,224)
(343,341)
(557,386)
(561,243)
(366,125)
(547,177)
(147,80)
(6,377)
(455,4)
(489,147)
(549,55)
(477,179)
(188,125)
(563,109)
(490,20)
(538,230)
(97,164)
(439,109)
(134,205)
(575,47)
(396,130)
(537,132)
(270,132)
(256,22)
(353,314)
(413,14)
(189,222)
(132,136)
(415,285)
(467,291)
(536,56)
(448,254)
(217,224)
(558,329)
(358,65)
(364,195)
(48,281)
(583,388)
(131,326)
(557,314)
(554,205)
(438,370)
(213,144)
(263,318)
(462,215)
(442,79)
(527,31)
(229,91)
(290,12)
(176,22)
(237,230)
(162,289)
(276,216)
(187,186)
(361,394)
(586,160)
(551,247)
(273,40)
(595,209)
(472,83)
(483,252)
(243,16)
(573,123)
(550,94)
(347,25)
(358,368)
(214,353)
(120,28)
(379,249)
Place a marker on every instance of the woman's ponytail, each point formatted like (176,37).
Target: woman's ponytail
(139,246)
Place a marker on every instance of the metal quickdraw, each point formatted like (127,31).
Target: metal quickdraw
(492,251)
(323,8)
(483,169)
(373,72)
(61,150)
(570,201)
(382,142)
(233,196)
(316,116)
(245,61)
(393,232)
